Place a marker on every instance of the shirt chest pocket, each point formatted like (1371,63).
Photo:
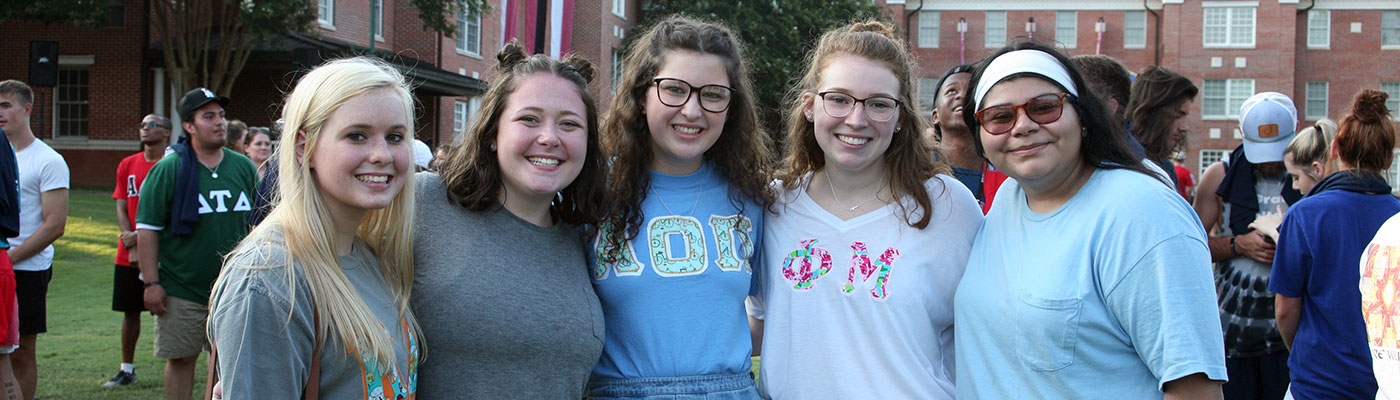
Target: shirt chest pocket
(1046,331)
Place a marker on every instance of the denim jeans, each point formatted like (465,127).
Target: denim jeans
(698,387)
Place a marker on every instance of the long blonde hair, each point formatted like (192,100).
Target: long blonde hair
(305,221)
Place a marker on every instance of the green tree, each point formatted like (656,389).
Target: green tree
(777,35)
(76,13)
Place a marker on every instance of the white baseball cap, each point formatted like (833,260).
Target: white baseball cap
(421,154)
(1268,120)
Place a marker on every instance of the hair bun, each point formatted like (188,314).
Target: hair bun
(510,55)
(1369,106)
(878,27)
(582,66)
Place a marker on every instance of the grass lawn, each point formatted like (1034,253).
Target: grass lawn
(82,348)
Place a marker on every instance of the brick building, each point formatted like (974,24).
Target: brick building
(111,75)
(1320,53)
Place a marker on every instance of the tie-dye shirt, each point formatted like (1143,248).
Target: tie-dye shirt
(264,354)
(862,308)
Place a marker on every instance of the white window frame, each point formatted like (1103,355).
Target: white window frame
(1392,174)
(1134,37)
(72,63)
(996,29)
(1393,103)
(1311,111)
(1231,41)
(928,29)
(459,117)
(1390,23)
(1211,156)
(928,93)
(1232,100)
(325,14)
(616,74)
(1320,23)
(378,19)
(468,24)
(1067,29)
(619,8)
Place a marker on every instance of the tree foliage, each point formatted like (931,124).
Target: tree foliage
(76,13)
(777,35)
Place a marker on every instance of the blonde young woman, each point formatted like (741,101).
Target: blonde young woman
(326,277)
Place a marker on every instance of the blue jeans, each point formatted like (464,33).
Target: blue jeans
(698,387)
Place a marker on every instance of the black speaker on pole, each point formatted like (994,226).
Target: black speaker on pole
(43,63)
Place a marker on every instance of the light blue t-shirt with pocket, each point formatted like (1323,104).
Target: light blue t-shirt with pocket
(1110,296)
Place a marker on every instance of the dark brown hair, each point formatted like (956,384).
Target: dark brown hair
(1365,136)
(909,159)
(741,153)
(1152,108)
(472,173)
(1108,78)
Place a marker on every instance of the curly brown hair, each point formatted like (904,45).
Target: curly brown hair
(909,161)
(472,174)
(746,160)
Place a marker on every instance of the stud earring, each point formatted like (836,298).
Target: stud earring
(493,147)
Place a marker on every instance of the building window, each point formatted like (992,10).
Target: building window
(1390,28)
(1393,89)
(1067,28)
(468,33)
(459,116)
(620,8)
(1210,157)
(376,10)
(1228,27)
(70,113)
(1319,28)
(1135,29)
(996,28)
(616,69)
(1392,174)
(325,12)
(1224,97)
(1316,107)
(928,92)
(928,28)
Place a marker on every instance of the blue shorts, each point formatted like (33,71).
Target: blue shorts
(698,387)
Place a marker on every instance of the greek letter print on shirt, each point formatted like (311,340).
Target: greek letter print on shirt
(798,268)
(217,199)
(676,247)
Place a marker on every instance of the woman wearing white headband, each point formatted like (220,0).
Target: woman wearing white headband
(1089,278)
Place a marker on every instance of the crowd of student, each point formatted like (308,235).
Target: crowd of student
(1029,240)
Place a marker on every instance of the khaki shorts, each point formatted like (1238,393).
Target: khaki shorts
(180,332)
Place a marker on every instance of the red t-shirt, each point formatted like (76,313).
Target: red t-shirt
(130,174)
(991,182)
(1184,182)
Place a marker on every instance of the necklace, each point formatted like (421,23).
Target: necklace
(214,172)
(698,192)
(832,186)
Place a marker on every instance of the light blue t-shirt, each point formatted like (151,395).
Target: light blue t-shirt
(674,306)
(1110,296)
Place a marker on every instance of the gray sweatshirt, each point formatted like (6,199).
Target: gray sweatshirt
(265,355)
(506,306)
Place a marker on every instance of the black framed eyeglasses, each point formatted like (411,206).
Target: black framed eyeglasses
(675,93)
(151,125)
(878,108)
(1043,109)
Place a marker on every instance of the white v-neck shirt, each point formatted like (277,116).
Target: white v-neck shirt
(846,334)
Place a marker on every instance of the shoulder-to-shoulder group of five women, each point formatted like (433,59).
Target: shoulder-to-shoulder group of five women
(652,251)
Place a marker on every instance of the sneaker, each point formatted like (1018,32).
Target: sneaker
(123,378)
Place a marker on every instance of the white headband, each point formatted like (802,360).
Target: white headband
(1022,61)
